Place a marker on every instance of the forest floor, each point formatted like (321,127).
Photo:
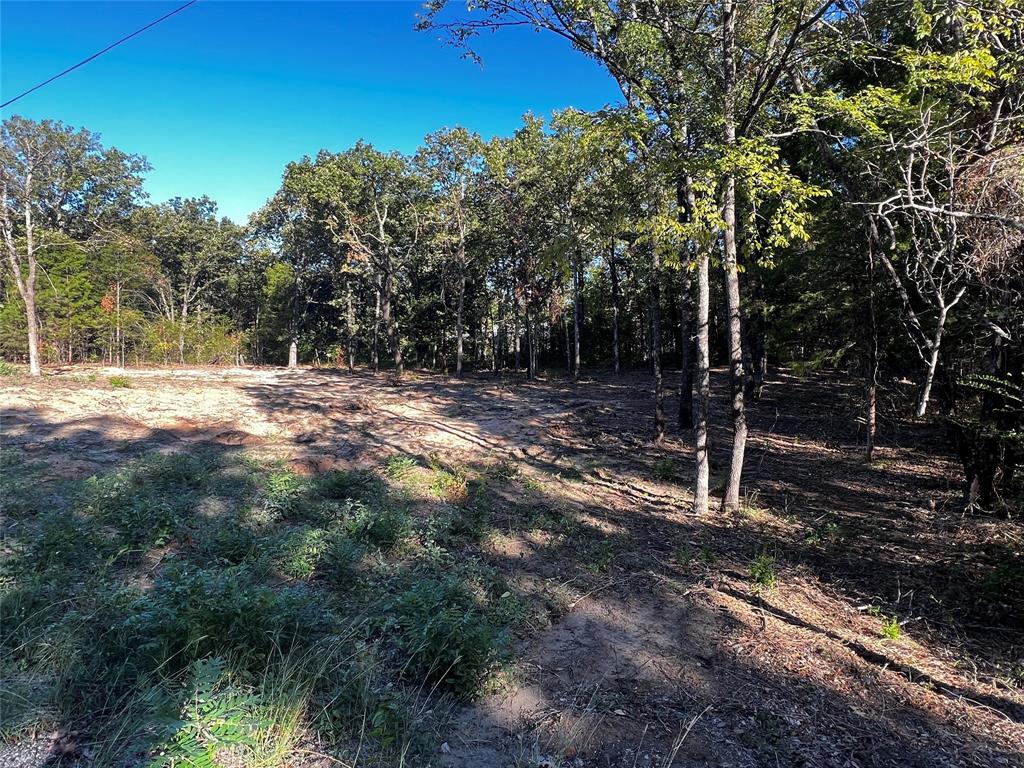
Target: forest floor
(849,615)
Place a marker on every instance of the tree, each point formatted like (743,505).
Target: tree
(55,179)
(196,252)
(450,160)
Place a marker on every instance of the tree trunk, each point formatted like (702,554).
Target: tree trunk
(531,372)
(934,348)
(26,284)
(700,493)
(615,308)
(293,352)
(731,501)
(659,391)
(685,204)
(872,372)
(350,324)
(32,321)
(376,331)
(577,314)
(568,346)
(181,332)
(458,324)
(391,323)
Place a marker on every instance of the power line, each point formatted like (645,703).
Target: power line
(96,55)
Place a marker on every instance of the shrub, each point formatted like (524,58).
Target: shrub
(301,553)
(227,542)
(6,369)
(665,470)
(214,715)
(342,485)
(192,612)
(763,572)
(340,559)
(66,540)
(443,636)
(283,493)
(381,527)
(119,382)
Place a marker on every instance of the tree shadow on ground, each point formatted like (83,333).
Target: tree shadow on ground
(589,537)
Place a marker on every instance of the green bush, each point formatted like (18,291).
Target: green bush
(381,527)
(283,493)
(763,572)
(119,382)
(191,613)
(339,485)
(443,636)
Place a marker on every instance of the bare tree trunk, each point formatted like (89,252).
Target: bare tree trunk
(568,346)
(700,493)
(685,203)
(531,371)
(32,321)
(872,377)
(731,500)
(577,314)
(26,284)
(615,308)
(376,331)
(458,324)
(350,333)
(516,334)
(391,323)
(934,347)
(182,319)
(659,390)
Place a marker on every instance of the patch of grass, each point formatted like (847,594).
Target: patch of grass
(1005,579)
(119,382)
(533,484)
(598,556)
(399,465)
(343,485)
(684,555)
(8,369)
(448,486)
(210,607)
(763,571)
(505,470)
(828,534)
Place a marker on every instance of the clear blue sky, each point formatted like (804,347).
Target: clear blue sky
(220,97)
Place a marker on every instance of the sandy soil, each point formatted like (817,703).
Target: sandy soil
(660,647)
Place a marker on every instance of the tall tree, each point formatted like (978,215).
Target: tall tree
(55,179)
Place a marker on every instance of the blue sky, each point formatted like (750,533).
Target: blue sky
(221,96)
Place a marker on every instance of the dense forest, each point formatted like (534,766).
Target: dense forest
(441,458)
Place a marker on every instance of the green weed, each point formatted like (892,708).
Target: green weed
(119,382)
(763,571)
(891,628)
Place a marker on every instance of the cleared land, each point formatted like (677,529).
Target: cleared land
(351,570)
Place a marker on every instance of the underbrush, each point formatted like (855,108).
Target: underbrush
(211,609)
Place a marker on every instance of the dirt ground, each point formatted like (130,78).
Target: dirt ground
(661,642)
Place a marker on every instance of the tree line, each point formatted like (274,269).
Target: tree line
(832,183)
